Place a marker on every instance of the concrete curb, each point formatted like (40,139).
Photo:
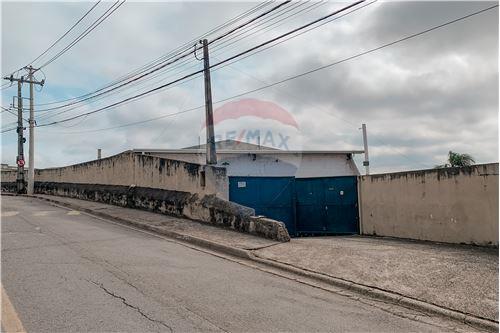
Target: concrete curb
(372,292)
(172,234)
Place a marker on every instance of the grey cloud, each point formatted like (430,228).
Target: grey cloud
(419,99)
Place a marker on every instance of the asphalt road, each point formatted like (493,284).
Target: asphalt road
(65,271)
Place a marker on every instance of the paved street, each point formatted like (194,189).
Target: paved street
(65,271)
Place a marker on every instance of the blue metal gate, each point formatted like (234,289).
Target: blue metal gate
(269,196)
(307,205)
(327,205)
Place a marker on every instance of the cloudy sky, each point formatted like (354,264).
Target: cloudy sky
(419,98)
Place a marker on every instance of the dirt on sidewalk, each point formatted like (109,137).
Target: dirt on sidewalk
(459,277)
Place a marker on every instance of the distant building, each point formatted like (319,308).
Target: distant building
(6,167)
(248,160)
(311,191)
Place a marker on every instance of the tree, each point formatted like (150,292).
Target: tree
(457,160)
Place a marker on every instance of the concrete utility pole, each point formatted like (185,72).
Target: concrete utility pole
(20,140)
(211,153)
(20,157)
(20,128)
(366,162)
(31,166)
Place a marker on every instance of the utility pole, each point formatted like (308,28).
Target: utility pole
(211,153)
(366,162)
(20,139)
(20,128)
(31,166)
(20,162)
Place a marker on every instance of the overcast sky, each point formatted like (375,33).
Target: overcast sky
(419,98)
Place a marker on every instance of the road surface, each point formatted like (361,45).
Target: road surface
(65,271)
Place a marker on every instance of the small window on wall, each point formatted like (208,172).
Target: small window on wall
(202,178)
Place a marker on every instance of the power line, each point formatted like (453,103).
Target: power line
(302,27)
(250,21)
(66,33)
(11,112)
(215,65)
(123,101)
(87,31)
(400,40)
(287,33)
(122,85)
(144,74)
(162,58)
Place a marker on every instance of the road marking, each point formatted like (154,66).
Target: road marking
(43,213)
(10,321)
(11,213)
(73,212)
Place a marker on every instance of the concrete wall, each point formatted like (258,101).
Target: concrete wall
(453,205)
(140,170)
(203,208)
(8,175)
(277,165)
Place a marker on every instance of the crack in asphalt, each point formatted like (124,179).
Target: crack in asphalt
(124,301)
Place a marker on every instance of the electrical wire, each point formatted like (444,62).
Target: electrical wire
(222,62)
(274,8)
(287,33)
(87,31)
(143,75)
(293,77)
(66,33)
(11,112)
(155,62)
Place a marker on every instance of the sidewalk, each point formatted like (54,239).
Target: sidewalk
(457,277)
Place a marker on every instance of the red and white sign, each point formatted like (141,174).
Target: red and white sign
(20,163)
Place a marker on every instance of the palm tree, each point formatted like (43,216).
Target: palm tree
(457,160)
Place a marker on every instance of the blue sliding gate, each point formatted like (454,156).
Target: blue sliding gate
(307,205)
(327,205)
(269,196)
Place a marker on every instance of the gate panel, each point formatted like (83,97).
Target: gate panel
(269,196)
(341,201)
(327,205)
(310,211)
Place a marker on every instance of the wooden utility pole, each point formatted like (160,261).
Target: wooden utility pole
(211,153)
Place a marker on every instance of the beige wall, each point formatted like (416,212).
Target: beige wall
(140,170)
(454,205)
(9,175)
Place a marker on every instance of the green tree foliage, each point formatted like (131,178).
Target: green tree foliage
(457,160)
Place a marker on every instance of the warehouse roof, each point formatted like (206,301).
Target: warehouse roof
(238,147)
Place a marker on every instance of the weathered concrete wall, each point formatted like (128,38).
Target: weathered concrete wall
(204,208)
(453,205)
(144,171)
(8,176)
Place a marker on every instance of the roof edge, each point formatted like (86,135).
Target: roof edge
(263,151)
